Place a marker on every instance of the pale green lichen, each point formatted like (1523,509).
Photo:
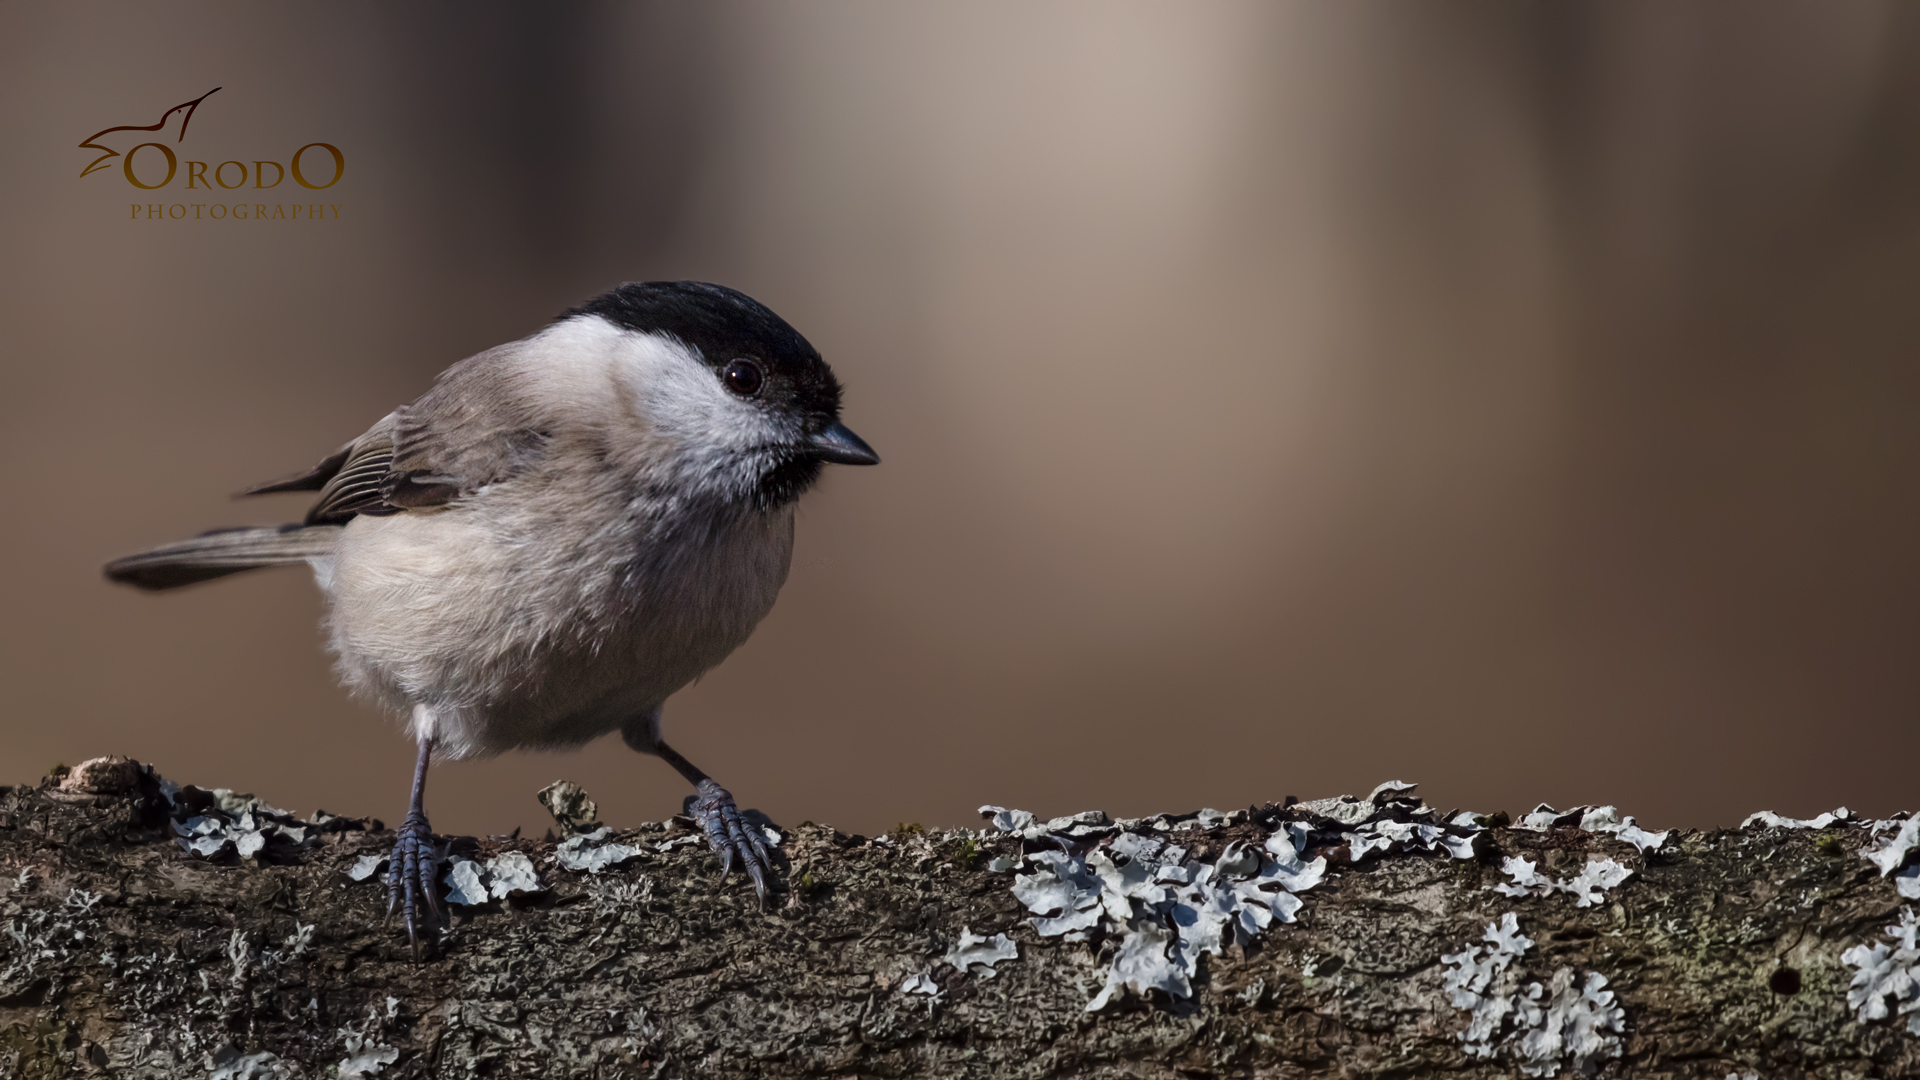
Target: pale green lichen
(650,968)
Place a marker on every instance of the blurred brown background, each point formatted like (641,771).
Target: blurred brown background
(1275,398)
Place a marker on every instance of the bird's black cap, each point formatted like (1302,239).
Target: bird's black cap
(722,325)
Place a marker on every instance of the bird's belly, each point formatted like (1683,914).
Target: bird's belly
(511,644)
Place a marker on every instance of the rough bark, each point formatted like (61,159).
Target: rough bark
(126,955)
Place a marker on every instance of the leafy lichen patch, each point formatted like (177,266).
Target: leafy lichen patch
(1886,982)
(1543,1027)
(1587,888)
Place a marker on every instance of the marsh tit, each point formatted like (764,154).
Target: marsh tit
(558,535)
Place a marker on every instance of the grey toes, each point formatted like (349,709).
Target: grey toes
(729,836)
(410,877)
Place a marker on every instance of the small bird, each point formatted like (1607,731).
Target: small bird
(560,534)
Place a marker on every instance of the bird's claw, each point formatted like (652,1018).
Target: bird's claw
(729,836)
(410,874)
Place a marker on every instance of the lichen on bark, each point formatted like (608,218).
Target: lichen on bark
(123,954)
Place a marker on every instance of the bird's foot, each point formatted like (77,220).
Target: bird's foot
(410,876)
(729,836)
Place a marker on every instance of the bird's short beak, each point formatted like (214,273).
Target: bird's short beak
(842,447)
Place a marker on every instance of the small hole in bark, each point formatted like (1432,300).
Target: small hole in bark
(1785,981)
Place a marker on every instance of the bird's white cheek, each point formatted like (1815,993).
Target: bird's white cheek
(706,422)
(684,401)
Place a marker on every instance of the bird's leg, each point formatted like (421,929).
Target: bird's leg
(410,869)
(714,809)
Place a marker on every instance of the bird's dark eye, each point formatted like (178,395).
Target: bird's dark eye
(743,377)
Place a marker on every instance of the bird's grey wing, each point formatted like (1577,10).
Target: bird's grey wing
(467,432)
(349,480)
(355,487)
(473,428)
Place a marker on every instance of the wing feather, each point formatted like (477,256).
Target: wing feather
(356,489)
(470,430)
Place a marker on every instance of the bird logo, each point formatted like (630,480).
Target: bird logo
(186,108)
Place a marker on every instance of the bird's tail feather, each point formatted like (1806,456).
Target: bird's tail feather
(222,552)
